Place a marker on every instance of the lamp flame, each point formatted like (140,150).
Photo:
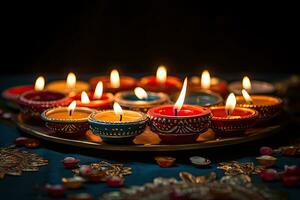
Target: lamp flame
(140,93)
(39,83)
(246,83)
(71,80)
(115,79)
(205,80)
(230,104)
(179,103)
(161,74)
(99,90)
(85,98)
(247,97)
(71,107)
(118,110)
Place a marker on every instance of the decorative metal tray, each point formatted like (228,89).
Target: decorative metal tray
(147,141)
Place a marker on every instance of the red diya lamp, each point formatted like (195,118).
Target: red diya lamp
(71,86)
(268,107)
(207,83)
(96,99)
(34,102)
(114,83)
(12,94)
(229,119)
(179,123)
(161,83)
(252,87)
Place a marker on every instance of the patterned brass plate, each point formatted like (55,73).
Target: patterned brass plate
(148,141)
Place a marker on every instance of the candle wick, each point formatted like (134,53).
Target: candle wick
(121,116)
(70,113)
(176,112)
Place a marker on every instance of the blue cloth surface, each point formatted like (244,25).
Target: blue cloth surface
(143,165)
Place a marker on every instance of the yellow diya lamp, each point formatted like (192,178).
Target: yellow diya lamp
(70,86)
(268,107)
(118,125)
(68,121)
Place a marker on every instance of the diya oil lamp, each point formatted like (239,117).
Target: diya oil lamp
(229,119)
(140,100)
(118,125)
(70,86)
(114,83)
(179,123)
(13,94)
(161,83)
(34,102)
(252,87)
(268,107)
(68,121)
(96,100)
(207,83)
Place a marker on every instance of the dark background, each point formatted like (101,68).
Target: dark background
(94,37)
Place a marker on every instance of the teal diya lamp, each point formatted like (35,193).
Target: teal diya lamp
(118,125)
(140,100)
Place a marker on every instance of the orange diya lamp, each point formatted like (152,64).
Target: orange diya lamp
(161,82)
(114,83)
(268,107)
(229,119)
(96,99)
(213,84)
(71,86)
(12,94)
(179,123)
(68,121)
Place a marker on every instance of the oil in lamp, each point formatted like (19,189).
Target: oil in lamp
(96,99)
(71,86)
(68,121)
(252,87)
(140,100)
(179,123)
(161,82)
(117,125)
(213,84)
(114,83)
(229,119)
(268,107)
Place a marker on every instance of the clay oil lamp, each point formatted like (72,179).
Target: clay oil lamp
(114,83)
(179,123)
(118,125)
(70,86)
(268,107)
(11,95)
(231,120)
(252,87)
(140,100)
(161,83)
(96,100)
(34,102)
(68,121)
(213,84)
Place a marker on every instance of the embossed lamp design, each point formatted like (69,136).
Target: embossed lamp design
(96,99)
(117,126)
(161,83)
(34,102)
(213,84)
(13,94)
(114,83)
(70,86)
(229,119)
(179,123)
(140,100)
(252,87)
(268,107)
(68,121)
